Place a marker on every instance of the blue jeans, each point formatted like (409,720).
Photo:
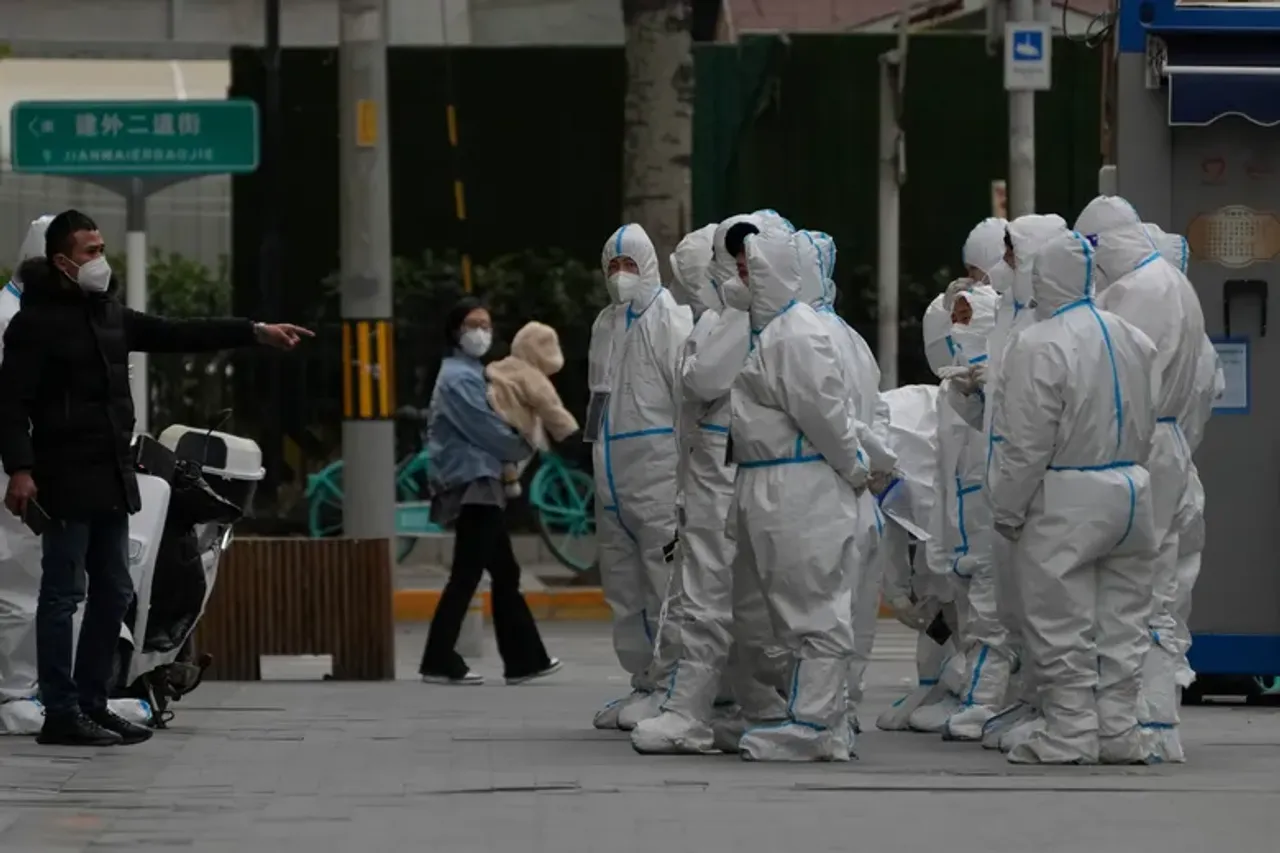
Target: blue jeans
(73,550)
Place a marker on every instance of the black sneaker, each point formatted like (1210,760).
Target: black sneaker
(129,733)
(76,730)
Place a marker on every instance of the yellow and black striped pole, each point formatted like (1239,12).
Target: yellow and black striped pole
(368,376)
(459,192)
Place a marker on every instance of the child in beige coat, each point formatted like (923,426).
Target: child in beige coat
(521,393)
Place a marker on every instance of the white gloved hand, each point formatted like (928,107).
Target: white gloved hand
(978,372)
(954,289)
(1009,532)
(907,612)
(962,380)
(879,481)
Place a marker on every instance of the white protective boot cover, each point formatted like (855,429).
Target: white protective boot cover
(931,718)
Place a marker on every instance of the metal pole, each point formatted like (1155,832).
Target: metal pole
(1022,133)
(135,241)
(887,262)
(368,431)
(270,272)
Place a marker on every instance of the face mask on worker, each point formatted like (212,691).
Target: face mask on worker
(623,287)
(476,342)
(1000,277)
(736,294)
(93,276)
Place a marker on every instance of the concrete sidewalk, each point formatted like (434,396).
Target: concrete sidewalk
(366,768)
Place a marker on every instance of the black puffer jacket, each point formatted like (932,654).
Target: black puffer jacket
(66,413)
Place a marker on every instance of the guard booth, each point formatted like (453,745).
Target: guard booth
(1198,152)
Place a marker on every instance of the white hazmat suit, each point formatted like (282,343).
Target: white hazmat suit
(1138,284)
(1210,383)
(634,352)
(19,557)
(818,289)
(703,591)
(1075,409)
(794,436)
(983,255)
(984,641)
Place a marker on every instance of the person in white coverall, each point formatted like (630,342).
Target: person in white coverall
(1138,284)
(1076,409)
(19,557)
(910,587)
(1210,383)
(794,437)
(635,347)
(984,640)
(982,255)
(818,289)
(702,606)
(1011,279)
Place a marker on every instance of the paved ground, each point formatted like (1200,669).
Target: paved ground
(348,768)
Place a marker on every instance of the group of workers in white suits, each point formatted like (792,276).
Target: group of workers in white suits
(1036,516)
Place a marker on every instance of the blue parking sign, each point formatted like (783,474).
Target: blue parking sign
(1027,56)
(1028,46)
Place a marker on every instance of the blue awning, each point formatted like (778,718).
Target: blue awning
(1212,78)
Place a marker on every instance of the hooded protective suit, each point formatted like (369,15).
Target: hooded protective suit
(984,642)
(818,290)
(1136,283)
(19,547)
(1026,234)
(1210,383)
(702,605)
(1075,409)
(914,592)
(635,348)
(982,255)
(794,436)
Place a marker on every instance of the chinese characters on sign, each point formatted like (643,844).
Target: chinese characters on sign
(156,124)
(134,137)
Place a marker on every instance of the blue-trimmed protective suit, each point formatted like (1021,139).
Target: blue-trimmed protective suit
(635,347)
(794,437)
(983,638)
(818,289)
(1210,383)
(704,596)
(1138,284)
(19,557)
(1067,483)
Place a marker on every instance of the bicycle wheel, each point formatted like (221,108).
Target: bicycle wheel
(324,501)
(411,485)
(564,498)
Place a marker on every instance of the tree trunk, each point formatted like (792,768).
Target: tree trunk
(658,115)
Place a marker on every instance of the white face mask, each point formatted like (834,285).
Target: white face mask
(1000,277)
(623,287)
(476,342)
(1022,290)
(94,276)
(736,294)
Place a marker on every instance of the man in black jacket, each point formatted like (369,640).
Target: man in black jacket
(66,421)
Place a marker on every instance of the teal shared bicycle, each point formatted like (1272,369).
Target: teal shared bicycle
(562,496)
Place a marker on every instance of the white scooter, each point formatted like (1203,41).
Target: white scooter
(195,484)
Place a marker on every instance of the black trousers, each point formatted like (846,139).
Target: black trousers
(481,542)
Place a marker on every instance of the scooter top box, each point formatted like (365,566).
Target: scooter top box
(232,464)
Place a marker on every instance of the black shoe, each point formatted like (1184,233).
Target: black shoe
(76,730)
(129,733)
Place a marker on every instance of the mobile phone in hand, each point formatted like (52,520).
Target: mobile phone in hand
(36,518)
(938,631)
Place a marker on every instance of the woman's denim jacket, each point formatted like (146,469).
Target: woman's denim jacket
(466,440)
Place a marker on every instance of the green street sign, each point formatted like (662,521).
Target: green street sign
(133,138)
